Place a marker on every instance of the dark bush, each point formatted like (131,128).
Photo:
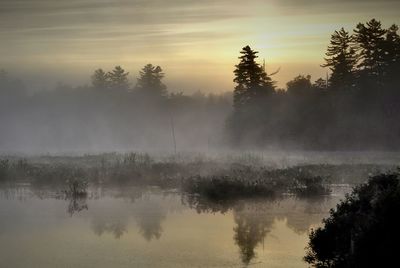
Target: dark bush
(224,187)
(363,230)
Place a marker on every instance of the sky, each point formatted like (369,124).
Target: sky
(195,42)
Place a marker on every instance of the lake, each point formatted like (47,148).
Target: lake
(151,227)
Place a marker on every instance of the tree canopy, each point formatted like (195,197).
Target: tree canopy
(252,82)
(149,82)
(341,60)
(118,79)
(363,230)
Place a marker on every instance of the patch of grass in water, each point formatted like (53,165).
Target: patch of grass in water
(76,188)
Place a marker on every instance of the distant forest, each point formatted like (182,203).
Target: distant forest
(356,108)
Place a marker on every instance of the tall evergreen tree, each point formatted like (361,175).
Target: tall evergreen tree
(392,55)
(118,79)
(369,43)
(100,79)
(253,84)
(149,82)
(341,60)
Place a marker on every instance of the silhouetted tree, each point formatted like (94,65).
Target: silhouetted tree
(391,96)
(149,82)
(118,79)
(341,61)
(369,44)
(100,79)
(300,85)
(363,230)
(250,97)
(253,84)
(320,84)
(392,55)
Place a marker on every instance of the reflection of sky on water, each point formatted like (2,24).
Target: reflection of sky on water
(137,227)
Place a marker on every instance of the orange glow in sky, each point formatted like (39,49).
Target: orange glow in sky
(196,42)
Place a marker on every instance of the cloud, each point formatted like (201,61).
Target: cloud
(338,6)
(174,32)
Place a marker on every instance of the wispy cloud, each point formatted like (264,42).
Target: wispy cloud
(86,32)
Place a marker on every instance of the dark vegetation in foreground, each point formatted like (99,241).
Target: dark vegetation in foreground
(207,178)
(363,230)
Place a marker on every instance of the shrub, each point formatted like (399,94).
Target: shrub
(363,230)
(76,188)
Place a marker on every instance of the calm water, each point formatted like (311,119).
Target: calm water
(136,227)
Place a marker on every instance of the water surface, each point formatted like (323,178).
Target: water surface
(150,227)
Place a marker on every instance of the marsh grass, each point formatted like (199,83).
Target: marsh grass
(212,178)
(257,183)
(76,188)
(225,188)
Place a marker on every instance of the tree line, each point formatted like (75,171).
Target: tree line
(110,114)
(356,107)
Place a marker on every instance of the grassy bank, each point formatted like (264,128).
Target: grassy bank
(211,178)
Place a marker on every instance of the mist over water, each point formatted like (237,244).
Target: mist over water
(199,133)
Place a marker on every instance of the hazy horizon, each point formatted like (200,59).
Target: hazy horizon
(45,42)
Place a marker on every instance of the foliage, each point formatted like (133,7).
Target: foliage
(226,188)
(354,108)
(118,79)
(253,84)
(77,187)
(253,182)
(369,39)
(100,79)
(363,229)
(149,83)
(341,60)
(300,85)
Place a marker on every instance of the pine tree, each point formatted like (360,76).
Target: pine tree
(341,60)
(149,83)
(253,84)
(369,44)
(100,79)
(392,55)
(118,79)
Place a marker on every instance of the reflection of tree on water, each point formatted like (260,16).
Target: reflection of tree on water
(204,205)
(147,211)
(76,204)
(149,216)
(250,231)
(254,218)
(115,227)
(77,193)
(251,224)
